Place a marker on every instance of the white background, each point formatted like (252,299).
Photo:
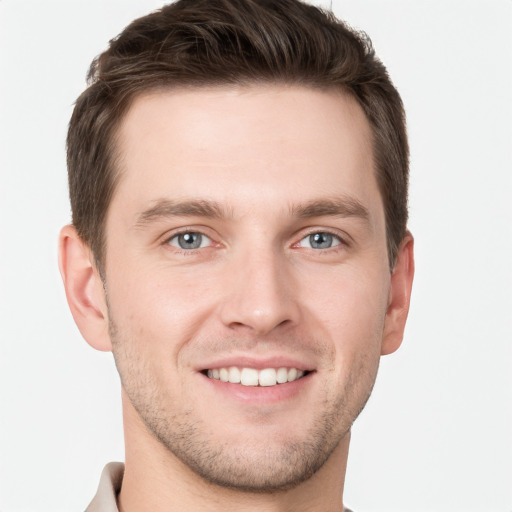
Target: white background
(436,435)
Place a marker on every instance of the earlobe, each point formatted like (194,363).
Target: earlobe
(84,289)
(399,297)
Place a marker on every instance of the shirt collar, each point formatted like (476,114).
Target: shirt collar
(108,489)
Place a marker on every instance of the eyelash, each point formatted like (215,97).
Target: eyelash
(185,231)
(341,241)
(335,237)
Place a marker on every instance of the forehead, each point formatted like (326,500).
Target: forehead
(260,143)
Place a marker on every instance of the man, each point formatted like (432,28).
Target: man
(238,180)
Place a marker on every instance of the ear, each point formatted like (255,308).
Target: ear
(84,289)
(399,296)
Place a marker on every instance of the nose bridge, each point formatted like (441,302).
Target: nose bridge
(259,291)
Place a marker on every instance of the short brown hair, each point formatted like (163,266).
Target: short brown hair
(230,42)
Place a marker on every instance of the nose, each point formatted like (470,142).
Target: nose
(260,293)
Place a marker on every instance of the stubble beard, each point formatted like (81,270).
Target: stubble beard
(267,468)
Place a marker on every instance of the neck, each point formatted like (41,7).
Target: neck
(154,479)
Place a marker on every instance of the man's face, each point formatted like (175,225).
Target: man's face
(247,233)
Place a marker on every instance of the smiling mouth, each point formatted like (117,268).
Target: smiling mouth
(253,377)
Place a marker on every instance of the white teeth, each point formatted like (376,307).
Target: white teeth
(234,375)
(282,375)
(249,377)
(292,374)
(268,377)
(253,377)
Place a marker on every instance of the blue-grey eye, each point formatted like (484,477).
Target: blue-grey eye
(320,240)
(190,240)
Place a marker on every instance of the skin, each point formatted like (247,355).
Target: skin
(274,165)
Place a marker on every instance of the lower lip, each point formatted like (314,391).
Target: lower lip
(260,394)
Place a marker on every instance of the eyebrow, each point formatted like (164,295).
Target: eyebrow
(165,208)
(335,207)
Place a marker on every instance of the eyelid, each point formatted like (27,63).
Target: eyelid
(203,237)
(203,230)
(200,230)
(341,238)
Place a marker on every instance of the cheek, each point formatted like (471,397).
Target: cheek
(160,309)
(350,317)
(351,306)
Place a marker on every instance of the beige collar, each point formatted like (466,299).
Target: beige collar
(108,489)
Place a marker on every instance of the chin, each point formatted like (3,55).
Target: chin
(265,463)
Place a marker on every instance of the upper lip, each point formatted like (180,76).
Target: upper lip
(259,363)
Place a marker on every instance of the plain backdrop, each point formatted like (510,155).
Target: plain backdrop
(437,433)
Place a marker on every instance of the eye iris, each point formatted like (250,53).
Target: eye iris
(320,240)
(190,240)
